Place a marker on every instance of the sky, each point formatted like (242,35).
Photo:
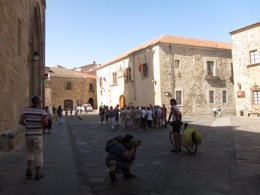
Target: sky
(79,32)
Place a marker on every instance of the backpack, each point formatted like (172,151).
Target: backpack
(112,142)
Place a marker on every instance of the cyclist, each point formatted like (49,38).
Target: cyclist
(176,121)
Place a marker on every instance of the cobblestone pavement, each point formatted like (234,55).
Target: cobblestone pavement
(227,162)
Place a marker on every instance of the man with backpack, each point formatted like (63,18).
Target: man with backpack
(121,154)
(176,121)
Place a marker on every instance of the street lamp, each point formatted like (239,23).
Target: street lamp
(36,56)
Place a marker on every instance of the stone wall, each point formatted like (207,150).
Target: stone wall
(164,79)
(246,75)
(15,54)
(14,59)
(190,78)
(55,92)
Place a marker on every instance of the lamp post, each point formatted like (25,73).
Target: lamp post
(36,56)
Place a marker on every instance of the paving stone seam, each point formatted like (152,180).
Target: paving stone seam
(83,178)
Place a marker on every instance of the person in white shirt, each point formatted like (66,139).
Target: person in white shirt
(149,118)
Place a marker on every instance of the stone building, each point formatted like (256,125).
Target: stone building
(246,66)
(22,59)
(87,68)
(198,73)
(69,88)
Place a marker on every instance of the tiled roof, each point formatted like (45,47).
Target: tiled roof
(245,28)
(175,40)
(63,72)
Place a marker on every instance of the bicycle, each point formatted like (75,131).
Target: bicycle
(192,147)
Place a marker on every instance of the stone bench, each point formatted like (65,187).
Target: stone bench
(11,139)
(253,113)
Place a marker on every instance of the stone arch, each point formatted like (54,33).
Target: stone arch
(36,46)
(68,104)
(91,101)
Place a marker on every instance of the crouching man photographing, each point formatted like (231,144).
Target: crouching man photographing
(121,154)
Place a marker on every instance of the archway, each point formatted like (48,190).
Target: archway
(91,101)
(36,55)
(121,101)
(68,104)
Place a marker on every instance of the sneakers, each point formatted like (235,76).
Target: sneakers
(28,174)
(39,176)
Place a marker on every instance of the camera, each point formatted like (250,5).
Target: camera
(138,142)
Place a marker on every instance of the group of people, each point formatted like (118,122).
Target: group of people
(122,155)
(58,114)
(138,117)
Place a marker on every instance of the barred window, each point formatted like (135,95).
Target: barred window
(211,96)
(91,87)
(254,58)
(256,97)
(114,76)
(145,70)
(210,68)
(224,96)
(178,96)
(68,86)
(177,63)
(128,74)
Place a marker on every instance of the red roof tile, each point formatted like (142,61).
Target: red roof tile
(175,40)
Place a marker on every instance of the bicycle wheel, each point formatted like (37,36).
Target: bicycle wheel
(192,149)
(171,137)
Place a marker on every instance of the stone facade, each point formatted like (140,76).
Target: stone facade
(246,65)
(177,67)
(70,88)
(87,68)
(22,38)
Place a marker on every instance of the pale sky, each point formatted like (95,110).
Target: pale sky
(79,32)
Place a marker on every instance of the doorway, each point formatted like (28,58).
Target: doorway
(121,101)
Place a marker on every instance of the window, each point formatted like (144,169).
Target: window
(114,76)
(256,97)
(231,70)
(224,96)
(254,59)
(68,86)
(145,70)
(128,74)
(178,96)
(210,68)
(211,96)
(177,63)
(91,87)
(100,82)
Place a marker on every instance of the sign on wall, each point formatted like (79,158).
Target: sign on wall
(241,94)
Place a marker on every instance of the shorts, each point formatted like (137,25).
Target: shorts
(34,149)
(176,126)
